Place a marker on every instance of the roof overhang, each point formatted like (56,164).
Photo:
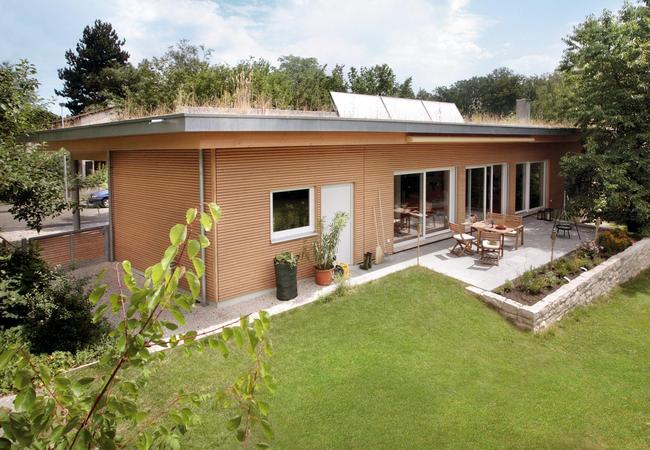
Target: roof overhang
(210,123)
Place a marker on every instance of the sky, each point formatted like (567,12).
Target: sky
(436,41)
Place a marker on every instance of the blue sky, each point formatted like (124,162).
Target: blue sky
(437,42)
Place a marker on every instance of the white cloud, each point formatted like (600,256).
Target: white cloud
(436,42)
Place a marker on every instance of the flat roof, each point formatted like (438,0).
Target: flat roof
(220,123)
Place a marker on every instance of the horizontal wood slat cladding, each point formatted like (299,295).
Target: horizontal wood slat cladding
(150,192)
(245,179)
(78,247)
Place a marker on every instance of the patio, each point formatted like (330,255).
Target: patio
(535,252)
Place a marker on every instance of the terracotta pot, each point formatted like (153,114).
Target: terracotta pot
(324,277)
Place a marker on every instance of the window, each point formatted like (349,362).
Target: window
(292,213)
(530,185)
(484,187)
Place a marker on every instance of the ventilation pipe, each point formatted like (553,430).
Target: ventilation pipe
(523,110)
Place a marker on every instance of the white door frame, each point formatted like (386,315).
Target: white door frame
(351,218)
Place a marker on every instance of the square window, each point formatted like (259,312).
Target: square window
(292,213)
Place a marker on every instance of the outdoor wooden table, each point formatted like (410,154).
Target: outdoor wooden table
(487,226)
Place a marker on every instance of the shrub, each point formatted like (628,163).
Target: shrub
(561,268)
(25,265)
(57,361)
(505,287)
(60,316)
(531,282)
(588,249)
(613,241)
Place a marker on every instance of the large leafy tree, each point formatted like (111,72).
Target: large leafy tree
(495,93)
(606,68)
(89,78)
(30,179)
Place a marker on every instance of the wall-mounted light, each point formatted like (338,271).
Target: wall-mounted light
(156,120)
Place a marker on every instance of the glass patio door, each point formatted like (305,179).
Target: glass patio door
(484,190)
(422,198)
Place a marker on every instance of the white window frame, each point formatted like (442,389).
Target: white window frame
(527,209)
(504,186)
(398,246)
(294,233)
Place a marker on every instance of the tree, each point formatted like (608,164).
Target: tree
(606,67)
(495,93)
(88,78)
(103,410)
(375,80)
(31,180)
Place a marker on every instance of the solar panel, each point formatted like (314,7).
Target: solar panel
(443,112)
(406,109)
(360,106)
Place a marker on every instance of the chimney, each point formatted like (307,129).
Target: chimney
(523,110)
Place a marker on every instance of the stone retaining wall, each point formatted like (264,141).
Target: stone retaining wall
(580,291)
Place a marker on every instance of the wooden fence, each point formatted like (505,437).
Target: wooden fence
(74,248)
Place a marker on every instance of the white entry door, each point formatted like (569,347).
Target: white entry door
(335,198)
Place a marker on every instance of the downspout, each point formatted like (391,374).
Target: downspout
(204,294)
(111,255)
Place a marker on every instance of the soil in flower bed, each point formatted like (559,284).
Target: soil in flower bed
(535,284)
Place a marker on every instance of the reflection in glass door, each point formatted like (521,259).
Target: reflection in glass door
(422,197)
(484,190)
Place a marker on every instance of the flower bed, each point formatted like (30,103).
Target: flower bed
(615,268)
(535,284)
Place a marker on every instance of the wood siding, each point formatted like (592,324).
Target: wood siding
(241,180)
(150,192)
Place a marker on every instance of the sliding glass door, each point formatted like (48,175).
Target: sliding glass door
(485,190)
(530,186)
(422,198)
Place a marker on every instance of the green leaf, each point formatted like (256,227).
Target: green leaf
(126,266)
(97,293)
(264,408)
(190,215)
(241,435)
(178,234)
(99,313)
(193,248)
(25,399)
(233,423)
(206,221)
(157,273)
(6,356)
(215,211)
(205,242)
(199,266)
(194,283)
(170,254)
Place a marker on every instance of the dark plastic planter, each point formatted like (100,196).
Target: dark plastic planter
(285,281)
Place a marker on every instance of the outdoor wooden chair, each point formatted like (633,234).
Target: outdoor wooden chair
(490,247)
(464,241)
(517,224)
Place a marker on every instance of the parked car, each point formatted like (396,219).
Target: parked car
(99,199)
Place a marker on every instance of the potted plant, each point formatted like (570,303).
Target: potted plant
(324,248)
(286,264)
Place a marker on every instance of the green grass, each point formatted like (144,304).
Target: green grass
(412,361)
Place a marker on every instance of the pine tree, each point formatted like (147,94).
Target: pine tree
(89,78)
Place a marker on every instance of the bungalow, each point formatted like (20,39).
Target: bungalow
(274,175)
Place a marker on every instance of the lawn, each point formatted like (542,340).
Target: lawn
(412,361)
